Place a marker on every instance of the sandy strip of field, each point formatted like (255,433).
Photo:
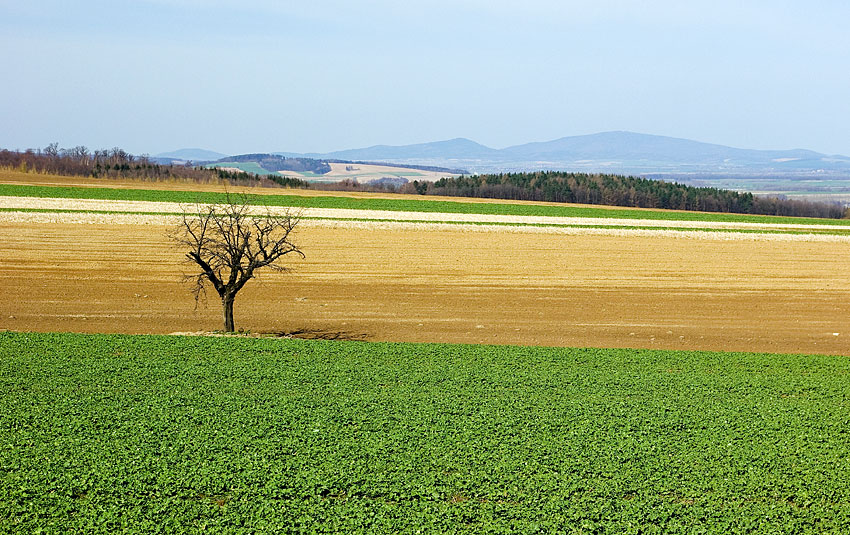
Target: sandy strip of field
(366,172)
(432,285)
(86,218)
(10,202)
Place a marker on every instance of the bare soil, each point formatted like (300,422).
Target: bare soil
(446,286)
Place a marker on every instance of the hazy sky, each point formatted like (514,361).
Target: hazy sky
(238,76)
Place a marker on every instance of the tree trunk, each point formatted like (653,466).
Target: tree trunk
(227,305)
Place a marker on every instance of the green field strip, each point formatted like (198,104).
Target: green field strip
(832,232)
(405,205)
(142,434)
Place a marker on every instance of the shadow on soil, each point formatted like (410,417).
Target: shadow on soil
(320,334)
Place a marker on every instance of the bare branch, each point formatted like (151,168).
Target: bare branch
(229,244)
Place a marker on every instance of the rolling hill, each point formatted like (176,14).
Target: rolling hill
(613,152)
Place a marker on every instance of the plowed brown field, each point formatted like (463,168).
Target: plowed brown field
(447,286)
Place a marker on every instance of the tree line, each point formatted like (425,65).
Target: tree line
(117,163)
(618,190)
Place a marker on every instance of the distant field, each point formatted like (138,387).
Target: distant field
(105,434)
(366,172)
(816,196)
(405,204)
(248,167)
(342,171)
(816,190)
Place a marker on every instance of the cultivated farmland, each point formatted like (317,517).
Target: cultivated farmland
(191,434)
(451,286)
(105,433)
(96,260)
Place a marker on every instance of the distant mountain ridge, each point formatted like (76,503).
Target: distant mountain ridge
(629,145)
(610,152)
(617,152)
(436,149)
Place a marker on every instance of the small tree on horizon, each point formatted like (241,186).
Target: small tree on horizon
(229,243)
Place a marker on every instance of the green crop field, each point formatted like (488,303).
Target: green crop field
(411,205)
(145,434)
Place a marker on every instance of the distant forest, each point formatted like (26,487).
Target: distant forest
(617,190)
(552,186)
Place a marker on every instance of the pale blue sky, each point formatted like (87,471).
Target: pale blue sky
(238,76)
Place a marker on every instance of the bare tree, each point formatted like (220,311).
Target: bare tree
(229,243)
(52,150)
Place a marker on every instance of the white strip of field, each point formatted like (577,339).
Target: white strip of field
(74,210)
(87,218)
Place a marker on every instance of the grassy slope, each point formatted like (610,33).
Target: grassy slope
(103,433)
(424,205)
